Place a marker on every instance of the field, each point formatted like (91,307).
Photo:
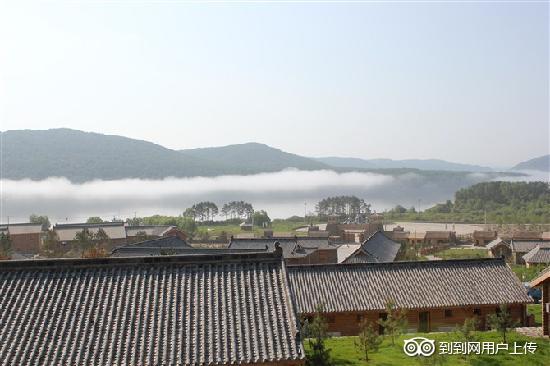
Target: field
(285,226)
(536,310)
(526,274)
(344,352)
(459,253)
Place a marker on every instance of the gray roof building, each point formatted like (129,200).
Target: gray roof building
(67,232)
(168,310)
(538,255)
(524,246)
(296,247)
(412,285)
(149,230)
(160,246)
(377,248)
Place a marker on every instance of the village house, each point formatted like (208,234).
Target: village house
(415,238)
(150,231)
(483,237)
(499,248)
(167,310)
(296,250)
(377,248)
(26,238)
(439,237)
(116,231)
(521,247)
(437,295)
(537,256)
(543,281)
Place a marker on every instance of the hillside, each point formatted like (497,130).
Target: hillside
(422,164)
(497,202)
(253,157)
(541,163)
(82,156)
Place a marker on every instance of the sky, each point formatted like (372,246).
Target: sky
(466,82)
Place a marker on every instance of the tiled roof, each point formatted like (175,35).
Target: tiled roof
(67,232)
(538,255)
(524,246)
(292,247)
(377,248)
(422,284)
(209,310)
(481,234)
(496,242)
(159,246)
(441,235)
(150,230)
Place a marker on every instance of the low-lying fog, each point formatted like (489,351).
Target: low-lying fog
(281,194)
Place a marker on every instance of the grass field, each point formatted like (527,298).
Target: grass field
(458,253)
(526,274)
(344,352)
(536,310)
(276,226)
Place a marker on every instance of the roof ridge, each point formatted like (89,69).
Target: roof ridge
(397,263)
(109,261)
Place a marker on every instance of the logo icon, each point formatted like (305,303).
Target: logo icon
(419,346)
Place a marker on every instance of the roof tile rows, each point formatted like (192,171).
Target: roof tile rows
(539,254)
(364,287)
(154,311)
(377,248)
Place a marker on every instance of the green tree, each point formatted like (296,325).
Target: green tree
(316,333)
(51,246)
(502,321)
(43,220)
(94,220)
(368,339)
(5,246)
(261,218)
(467,329)
(395,322)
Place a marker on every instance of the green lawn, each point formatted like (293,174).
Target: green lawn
(526,274)
(461,253)
(276,226)
(344,352)
(536,310)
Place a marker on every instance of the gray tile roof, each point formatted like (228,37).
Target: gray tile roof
(67,232)
(423,284)
(538,255)
(496,242)
(210,310)
(150,230)
(377,248)
(292,247)
(524,246)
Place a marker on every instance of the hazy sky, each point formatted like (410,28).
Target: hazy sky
(466,82)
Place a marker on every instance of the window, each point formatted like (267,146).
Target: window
(448,313)
(359,318)
(477,311)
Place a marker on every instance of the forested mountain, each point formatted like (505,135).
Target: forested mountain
(84,156)
(253,157)
(496,202)
(541,163)
(422,164)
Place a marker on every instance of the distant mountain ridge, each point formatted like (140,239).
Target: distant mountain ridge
(85,156)
(422,164)
(542,163)
(253,157)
